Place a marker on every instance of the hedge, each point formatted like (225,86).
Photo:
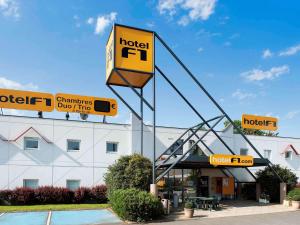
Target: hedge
(135,205)
(53,195)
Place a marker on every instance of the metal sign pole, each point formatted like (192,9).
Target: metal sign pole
(154,131)
(142,124)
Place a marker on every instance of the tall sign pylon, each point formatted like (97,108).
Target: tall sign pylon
(130,62)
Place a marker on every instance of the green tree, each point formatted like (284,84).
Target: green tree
(270,182)
(134,171)
(238,123)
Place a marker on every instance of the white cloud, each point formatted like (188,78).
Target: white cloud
(200,49)
(292,114)
(203,32)
(224,20)
(9,8)
(184,21)
(227,43)
(242,95)
(195,9)
(290,51)
(90,20)
(150,24)
(267,54)
(258,75)
(234,36)
(168,6)
(10,84)
(104,21)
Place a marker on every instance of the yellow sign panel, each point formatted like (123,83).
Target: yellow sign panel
(85,104)
(110,54)
(129,52)
(26,100)
(231,160)
(134,49)
(259,122)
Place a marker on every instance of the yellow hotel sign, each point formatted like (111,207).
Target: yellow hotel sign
(259,122)
(26,100)
(130,51)
(85,104)
(231,160)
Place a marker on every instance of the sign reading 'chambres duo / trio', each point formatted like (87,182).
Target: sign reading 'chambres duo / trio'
(46,102)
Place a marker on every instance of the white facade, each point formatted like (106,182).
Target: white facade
(53,164)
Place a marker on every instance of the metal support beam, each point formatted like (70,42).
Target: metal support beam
(183,155)
(186,140)
(142,123)
(125,103)
(133,89)
(154,129)
(213,100)
(199,115)
(211,151)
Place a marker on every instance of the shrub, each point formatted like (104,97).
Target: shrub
(296,198)
(44,195)
(189,205)
(99,194)
(23,196)
(270,183)
(63,195)
(294,192)
(82,195)
(248,191)
(5,197)
(133,171)
(135,205)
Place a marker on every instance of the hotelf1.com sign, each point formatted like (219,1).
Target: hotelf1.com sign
(230,160)
(259,122)
(46,102)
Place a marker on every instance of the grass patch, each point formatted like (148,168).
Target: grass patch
(26,208)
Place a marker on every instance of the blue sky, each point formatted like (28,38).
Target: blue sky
(246,53)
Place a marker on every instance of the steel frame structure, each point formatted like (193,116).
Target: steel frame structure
(210,128)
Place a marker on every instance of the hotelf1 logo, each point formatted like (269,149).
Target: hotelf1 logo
(134,48)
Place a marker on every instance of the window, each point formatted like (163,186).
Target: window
(31,183)
(73,184)
(175,146)
(267,154)
(111,147)
(243,151)
(288,155)
(73,145)
(31,143)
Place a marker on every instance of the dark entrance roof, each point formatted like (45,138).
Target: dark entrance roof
(196,161)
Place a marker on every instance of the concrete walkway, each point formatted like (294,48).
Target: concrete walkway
(241,208)
(283,218)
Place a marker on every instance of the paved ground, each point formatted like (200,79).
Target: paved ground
(284,218)
(242,208)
